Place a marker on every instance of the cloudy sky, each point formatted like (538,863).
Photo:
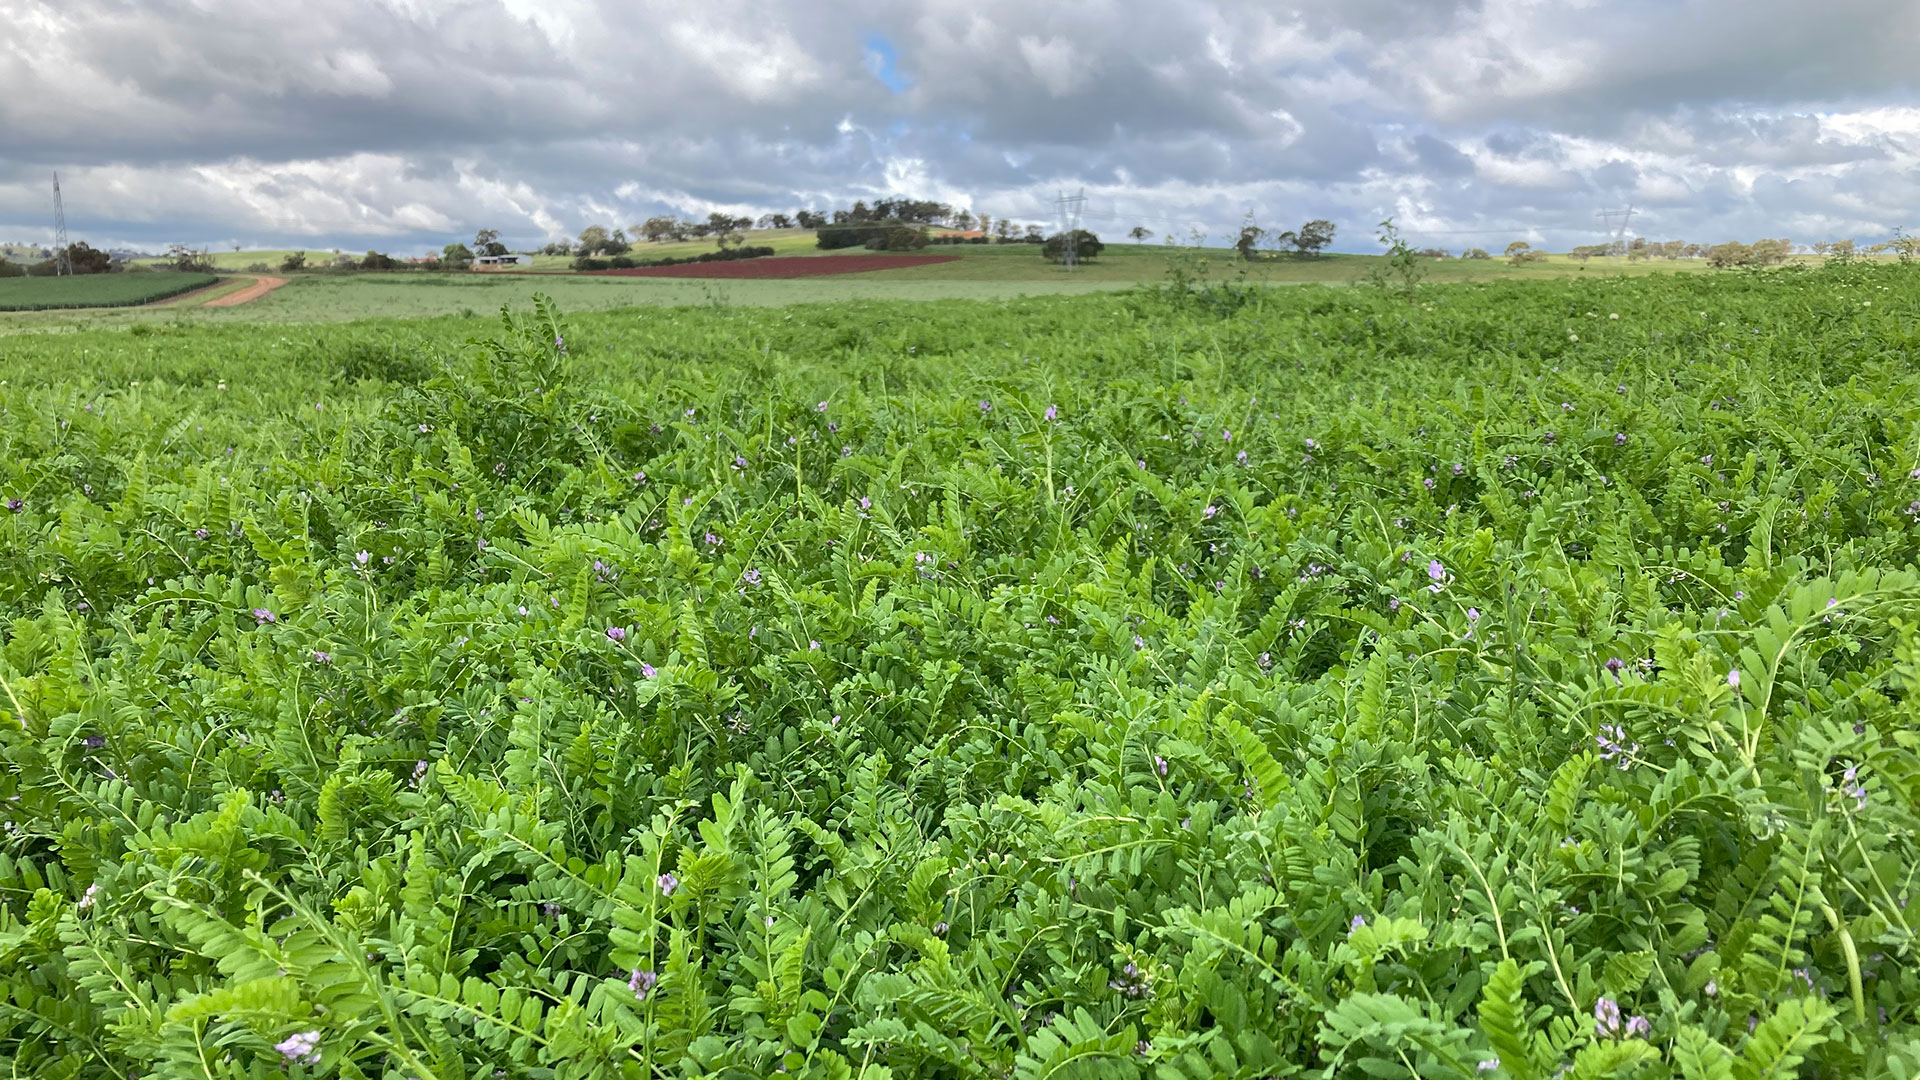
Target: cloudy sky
(403,124)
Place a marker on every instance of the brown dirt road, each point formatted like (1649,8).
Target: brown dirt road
(262,285)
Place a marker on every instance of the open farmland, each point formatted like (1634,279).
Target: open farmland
(1516,681)
(95,290)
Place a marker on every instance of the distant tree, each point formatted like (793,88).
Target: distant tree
(187,260)
(1435,253)
(1003,229)
(1475,253)
(1086,247)
(655,229)
(596,240)
(809,219)
(984,223)
(1313,237)
(1036,235)
(456,257)
(295,260)
(11,269)
(1139,233)
(85,259)
(1248,243)
(1771,252)
(487,242)
(1729,255)
(782,221)
(860,213)
(375,260)
(896,238)
(1522,252)
(963,220)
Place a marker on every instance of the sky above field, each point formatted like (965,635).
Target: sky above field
(404,124)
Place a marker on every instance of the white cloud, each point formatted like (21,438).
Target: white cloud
(393,121)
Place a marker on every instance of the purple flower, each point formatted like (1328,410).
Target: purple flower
(1159,764)
(94,742)
(262,616)
(986,406)
(1209,512)
(363,557)
(321,656)
(302,1047)
(1613,743)
(1053,412)
(1139,642)
(712,540)
(1226,435)
(16,505)
(1638,1027)
(667,883)
(1606,1017)
(616,633)
(1241,457)
(1436,571)
(1356,923)
(560,343)
(647,670)
(641,983)
(1615,665)
(1619,438)
(1733,678)
(1488,1065)
(751,577)
(822,407)
(1473,614)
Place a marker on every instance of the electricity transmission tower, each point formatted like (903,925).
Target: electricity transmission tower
(1070,206)
(1618,245)
(62,262)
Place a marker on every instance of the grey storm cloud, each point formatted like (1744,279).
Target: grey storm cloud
(406,123)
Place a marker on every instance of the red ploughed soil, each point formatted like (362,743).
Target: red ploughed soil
(780,266)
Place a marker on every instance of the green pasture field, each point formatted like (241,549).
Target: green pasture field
(240,260)
(1510,679)
(95,290)
(983,272)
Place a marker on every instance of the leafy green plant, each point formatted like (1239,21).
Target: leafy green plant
(1317,684)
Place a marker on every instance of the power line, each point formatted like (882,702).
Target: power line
(1606,217)
(1070,206)
(62,262)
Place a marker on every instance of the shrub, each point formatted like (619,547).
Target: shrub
(296,260)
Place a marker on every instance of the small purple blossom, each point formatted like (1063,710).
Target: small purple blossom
(94,742)
(321,656)
(1614,744)
(1619,438)
(1159,764)
(1615,665)
(616,633)
(751,577)
(986,406)
(642,983)
(1053,412)
(1356,923)
(302,1047)
(822,407)
(1209,512)
(1606,1017)
(1733,678)
(667,883)
(363,557)
(647,670)
(16,505)
(262,616)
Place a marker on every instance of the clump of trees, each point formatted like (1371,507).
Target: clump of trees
(1734,254)
(1086,246)
(1307,241)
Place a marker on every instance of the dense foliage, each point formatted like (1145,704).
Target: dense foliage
(1220,683)
(95,290)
